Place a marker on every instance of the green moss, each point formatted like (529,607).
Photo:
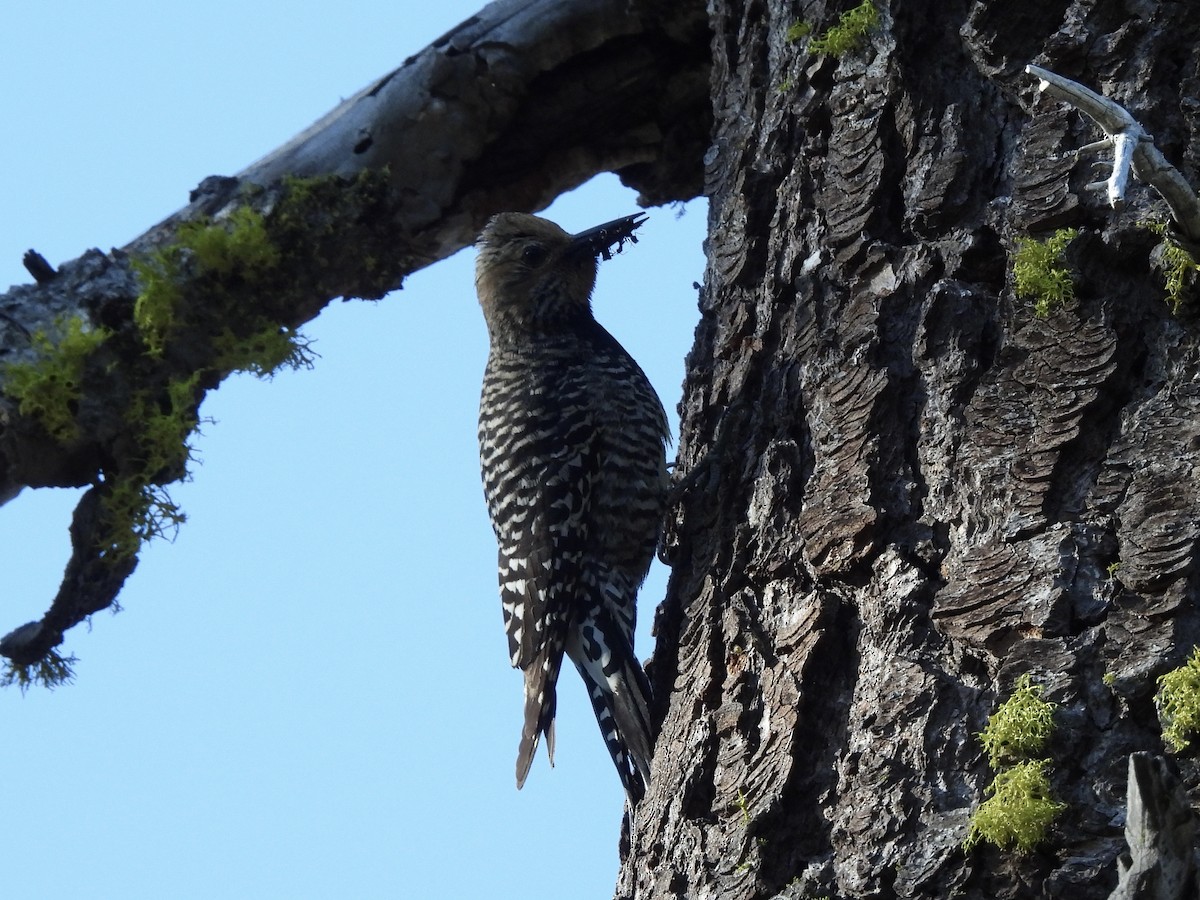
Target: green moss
(154,308)
(264,352)
(744,808)
(849,33)
(1039,271)
(1180,270)
(1179,266)
(237,246)
(1020,727)
(1178,701)
(303,193)
(203,292)
(798,30)
(50,671)
(316,205)
(1019,808)
(137,506)
(163,427)
(50,387)
(136,511)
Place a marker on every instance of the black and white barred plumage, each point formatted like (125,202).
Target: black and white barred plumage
(572,444)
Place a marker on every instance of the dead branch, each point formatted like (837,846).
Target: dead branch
(1160,829)
(1132,147)
(521,102)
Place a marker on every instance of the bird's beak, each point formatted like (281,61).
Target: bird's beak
(599,241)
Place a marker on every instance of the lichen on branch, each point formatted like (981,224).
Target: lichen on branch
(50,386)
(51,671)
(237,248)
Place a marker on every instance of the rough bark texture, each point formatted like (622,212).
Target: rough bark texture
(518,104)
(907,489)
(1160,830)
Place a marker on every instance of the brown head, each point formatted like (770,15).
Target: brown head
(535,279)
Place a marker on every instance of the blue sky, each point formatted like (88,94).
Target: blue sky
(307,694)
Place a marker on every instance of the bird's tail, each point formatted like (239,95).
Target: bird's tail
(620,695)
(541,678)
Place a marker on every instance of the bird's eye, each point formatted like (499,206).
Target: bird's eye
(533,255)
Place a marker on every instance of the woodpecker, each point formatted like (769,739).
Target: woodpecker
(572,447)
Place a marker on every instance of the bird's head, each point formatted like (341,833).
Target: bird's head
(533,278)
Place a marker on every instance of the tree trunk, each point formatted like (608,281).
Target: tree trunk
(901,489)
(904,489)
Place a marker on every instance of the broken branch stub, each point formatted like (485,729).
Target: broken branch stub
(1133,149)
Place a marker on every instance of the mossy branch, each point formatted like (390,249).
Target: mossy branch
(189,326)
(398,176)
(50,386)
(50,671)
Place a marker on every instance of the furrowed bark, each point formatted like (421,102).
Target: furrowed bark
(922,490)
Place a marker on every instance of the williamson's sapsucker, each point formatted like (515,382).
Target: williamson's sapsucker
(572,442)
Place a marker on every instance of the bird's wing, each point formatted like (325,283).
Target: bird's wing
(541,567)
(542,541)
